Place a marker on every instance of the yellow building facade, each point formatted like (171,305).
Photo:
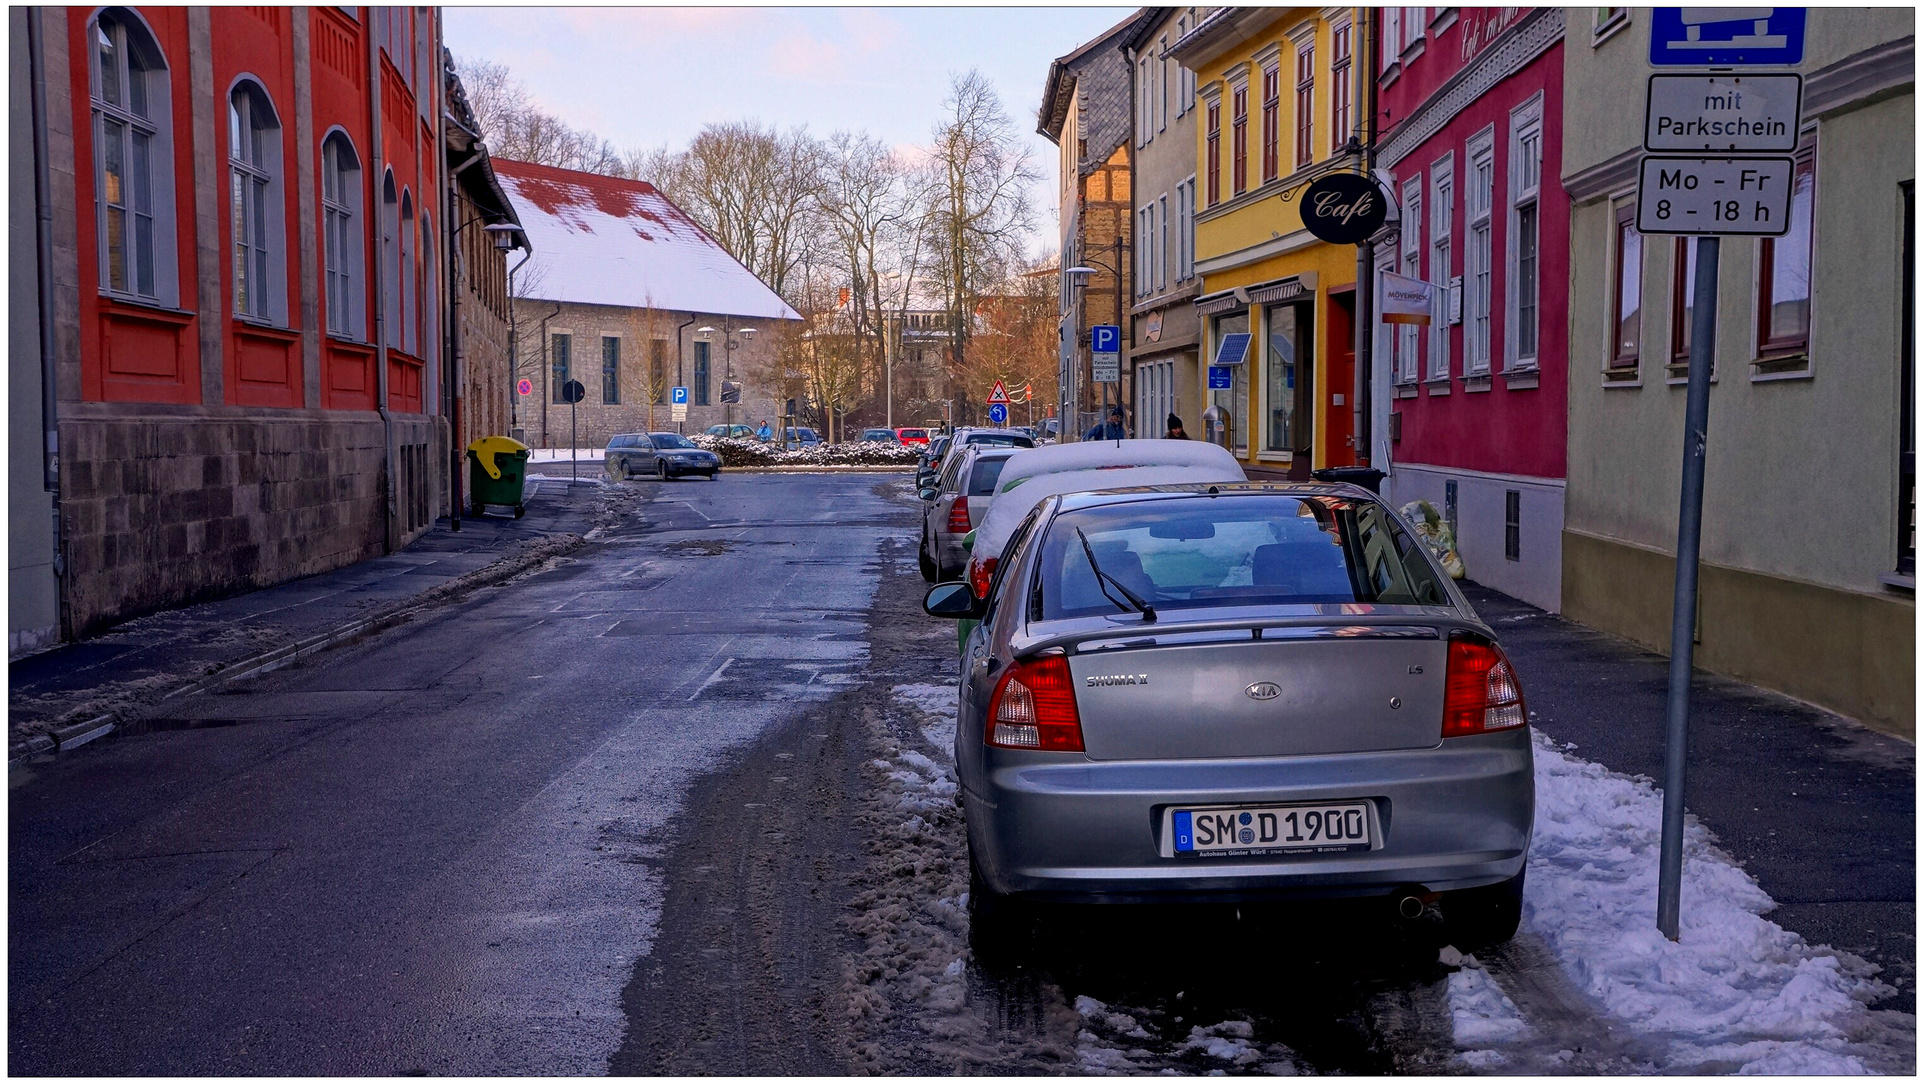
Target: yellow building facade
(1278,92)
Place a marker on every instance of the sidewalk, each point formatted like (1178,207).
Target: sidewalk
(1819,809)
(126,670)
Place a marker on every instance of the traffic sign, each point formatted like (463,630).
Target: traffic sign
(1735,196)
(1105,338)
(1107,367)
(572,392)
(1726,37)
(998,413)
(679,396)
(998,395)
(1723,113)
(526,387)
(1220,378)
(677,412)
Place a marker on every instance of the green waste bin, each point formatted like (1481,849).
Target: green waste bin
(497,473)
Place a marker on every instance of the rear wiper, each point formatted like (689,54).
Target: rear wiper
(1104,579)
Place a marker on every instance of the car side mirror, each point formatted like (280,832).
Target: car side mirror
(953,600)
(928,494)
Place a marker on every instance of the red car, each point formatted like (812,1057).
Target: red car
(912,436)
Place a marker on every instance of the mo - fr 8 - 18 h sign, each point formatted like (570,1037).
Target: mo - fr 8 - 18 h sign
(1745,196)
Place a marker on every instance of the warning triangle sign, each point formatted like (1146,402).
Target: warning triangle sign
(999,395)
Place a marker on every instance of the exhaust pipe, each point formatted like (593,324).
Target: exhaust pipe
(1412,903)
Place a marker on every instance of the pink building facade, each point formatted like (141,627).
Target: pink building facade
(1470,111)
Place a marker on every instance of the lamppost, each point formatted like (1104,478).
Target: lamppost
(504,233)
(1081,274)
(729,392)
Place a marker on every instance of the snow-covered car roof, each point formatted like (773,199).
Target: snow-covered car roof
(1076,457)
(1022,488)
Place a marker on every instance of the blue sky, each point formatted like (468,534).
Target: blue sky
(648,76)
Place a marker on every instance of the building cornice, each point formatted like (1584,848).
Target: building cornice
(1516,48)
(1859,79)
(1254,253)
(1609,176)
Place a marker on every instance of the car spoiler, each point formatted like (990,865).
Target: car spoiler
(1291,627)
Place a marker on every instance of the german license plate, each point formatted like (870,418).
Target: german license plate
(1247,830)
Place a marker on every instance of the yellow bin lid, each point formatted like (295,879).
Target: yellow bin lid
(484,450)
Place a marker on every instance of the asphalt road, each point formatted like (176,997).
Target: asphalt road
(439,850)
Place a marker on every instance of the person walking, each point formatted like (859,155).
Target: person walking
(1175,430)
(1113,429)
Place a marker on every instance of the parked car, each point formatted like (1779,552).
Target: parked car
(664,454)
(940,448)
(731,431)
(1055,470)
(1051,429)
(800,437)
(959,497)
(1236,691)
(880,434)
(912,436)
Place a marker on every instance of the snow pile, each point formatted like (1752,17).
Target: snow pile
(753,452)
(1482,1014)
(936,704)
(1737,991)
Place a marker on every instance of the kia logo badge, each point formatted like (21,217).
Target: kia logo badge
(1264,691)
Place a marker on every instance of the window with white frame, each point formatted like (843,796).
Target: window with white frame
(1524,264)
(1144,255)
(390,262)
(1477,266)
(1184,229)
(340,235)
(1408,343)
(408,340)
(253,160)
(1341,89)
(1161,242)
(1441,264)
(1161,85)
(1412,22)
(1144,106)
(1390,34)
(133,174)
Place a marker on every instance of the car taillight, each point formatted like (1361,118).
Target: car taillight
(1034,709)
(981,575)
(958,515)
(1482,693)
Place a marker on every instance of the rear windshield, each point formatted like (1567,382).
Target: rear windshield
(986,472)
(1233,551)
(1000,438)
(914,433)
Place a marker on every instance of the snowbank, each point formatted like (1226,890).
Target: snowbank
(752,452)
(1737,991)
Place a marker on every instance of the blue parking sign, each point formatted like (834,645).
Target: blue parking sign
(1104,338)
(1726,37)
(680,396)
(1220,378)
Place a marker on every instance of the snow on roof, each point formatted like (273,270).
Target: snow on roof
(603,240)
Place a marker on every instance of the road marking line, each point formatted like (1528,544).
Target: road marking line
(711,679)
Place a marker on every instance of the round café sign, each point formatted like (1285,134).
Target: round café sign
(1343,208)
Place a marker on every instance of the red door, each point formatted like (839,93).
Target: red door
(1338,392)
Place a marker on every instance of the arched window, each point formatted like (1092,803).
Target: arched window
(133,152)
(259,238)
(390,262)
(409,337)
(340,234)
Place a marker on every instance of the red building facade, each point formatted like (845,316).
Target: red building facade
(1470,110)
(245,280)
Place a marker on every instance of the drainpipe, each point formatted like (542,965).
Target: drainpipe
(680,370)
(49,365)
(378,173)
(1365,266)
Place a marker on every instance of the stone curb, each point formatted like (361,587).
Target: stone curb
(86,731)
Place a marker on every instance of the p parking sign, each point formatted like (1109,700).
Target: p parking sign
(680,396)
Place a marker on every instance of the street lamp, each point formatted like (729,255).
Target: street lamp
(1080,275)
(728,345)
(504,239)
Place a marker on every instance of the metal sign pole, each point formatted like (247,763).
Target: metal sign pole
(574,446)
(1688,553)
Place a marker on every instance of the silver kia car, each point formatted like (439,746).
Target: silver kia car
(1237,692)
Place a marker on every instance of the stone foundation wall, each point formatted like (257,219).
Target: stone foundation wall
(172,505)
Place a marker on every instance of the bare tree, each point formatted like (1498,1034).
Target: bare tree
(980,211)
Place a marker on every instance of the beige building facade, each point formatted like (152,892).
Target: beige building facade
(1807,583)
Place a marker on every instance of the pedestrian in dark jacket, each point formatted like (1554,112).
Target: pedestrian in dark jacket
(1110,430)
(1175,430)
